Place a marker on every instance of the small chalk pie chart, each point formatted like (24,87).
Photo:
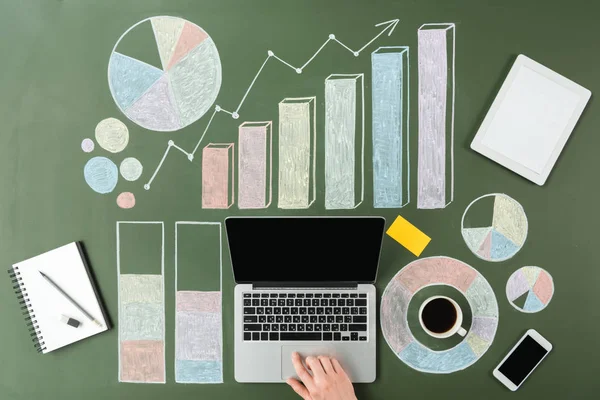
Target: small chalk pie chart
(530,289)
(494,227)
(164,73)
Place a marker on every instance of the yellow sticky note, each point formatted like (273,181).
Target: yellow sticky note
(408,236)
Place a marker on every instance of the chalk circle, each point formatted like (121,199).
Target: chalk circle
(131,169)
(494,227)
(530,289)
(87,145)
(174,93)
(101,174)
(126,200)
(112,135)
(423,273)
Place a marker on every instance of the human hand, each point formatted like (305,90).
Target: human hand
(328,380)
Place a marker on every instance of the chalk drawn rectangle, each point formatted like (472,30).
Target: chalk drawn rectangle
(198,336)
(198,256)
(141,361)
(297,152)
(194,371)
(198,316)
(139,250)
(141,321)
(138,288)
(435,179)
(344,141)
(218,175)
(255,164)
(391,122)
(198,301)
(531,119)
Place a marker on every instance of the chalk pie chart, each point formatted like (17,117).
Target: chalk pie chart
(530,289)
(164,73)
(494,227)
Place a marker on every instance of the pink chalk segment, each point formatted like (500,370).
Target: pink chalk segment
(485,250)
(535,284)
(437,270)
(142,361)
(255,165)
(126,200)
(218,176)
(191,36)
(544,287)
(198,301)
(156,108)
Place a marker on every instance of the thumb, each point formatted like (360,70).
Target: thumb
(299,388)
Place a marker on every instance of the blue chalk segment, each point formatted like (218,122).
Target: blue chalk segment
(442,362)
(196,371)
(101,174)
(533,303)
(130,78)
(388,69)
(502,247)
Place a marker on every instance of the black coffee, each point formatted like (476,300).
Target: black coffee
(439,315)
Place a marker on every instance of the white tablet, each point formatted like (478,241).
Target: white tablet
(531,119)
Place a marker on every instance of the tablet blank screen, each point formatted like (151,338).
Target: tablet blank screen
(531,119)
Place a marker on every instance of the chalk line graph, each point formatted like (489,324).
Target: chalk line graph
(388,26)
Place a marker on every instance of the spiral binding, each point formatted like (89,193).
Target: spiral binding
(25,303)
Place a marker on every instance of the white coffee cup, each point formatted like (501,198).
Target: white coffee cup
(455,328)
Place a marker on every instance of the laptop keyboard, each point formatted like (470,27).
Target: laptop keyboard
(305,316)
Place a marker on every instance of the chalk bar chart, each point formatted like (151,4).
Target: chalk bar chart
(344,141)
(176,95)
(218,175)
(435,176)
(297,148)
(391,110)
(255,164)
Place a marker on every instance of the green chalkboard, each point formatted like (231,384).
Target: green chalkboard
(54,91)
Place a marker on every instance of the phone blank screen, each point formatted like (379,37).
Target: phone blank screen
(520,363)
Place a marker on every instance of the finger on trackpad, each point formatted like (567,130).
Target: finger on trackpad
(287,368)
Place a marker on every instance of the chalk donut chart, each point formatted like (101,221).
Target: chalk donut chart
(530,289)
(438,271)
(178,94)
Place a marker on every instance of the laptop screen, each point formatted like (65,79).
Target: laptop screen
(306,250)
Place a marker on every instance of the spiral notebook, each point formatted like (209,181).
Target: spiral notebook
(44,305)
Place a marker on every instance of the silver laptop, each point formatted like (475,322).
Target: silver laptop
(304,284)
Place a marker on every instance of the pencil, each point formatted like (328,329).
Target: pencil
(66,296)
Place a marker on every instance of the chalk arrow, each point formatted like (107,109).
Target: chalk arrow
(391,25)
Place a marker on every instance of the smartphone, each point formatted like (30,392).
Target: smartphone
(520,362)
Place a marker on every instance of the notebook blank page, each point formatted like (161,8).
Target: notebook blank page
(531,119)
(65,267)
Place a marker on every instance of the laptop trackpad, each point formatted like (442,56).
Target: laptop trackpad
(287,368)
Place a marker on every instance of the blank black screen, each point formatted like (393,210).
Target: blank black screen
(522,360)
(279,249)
